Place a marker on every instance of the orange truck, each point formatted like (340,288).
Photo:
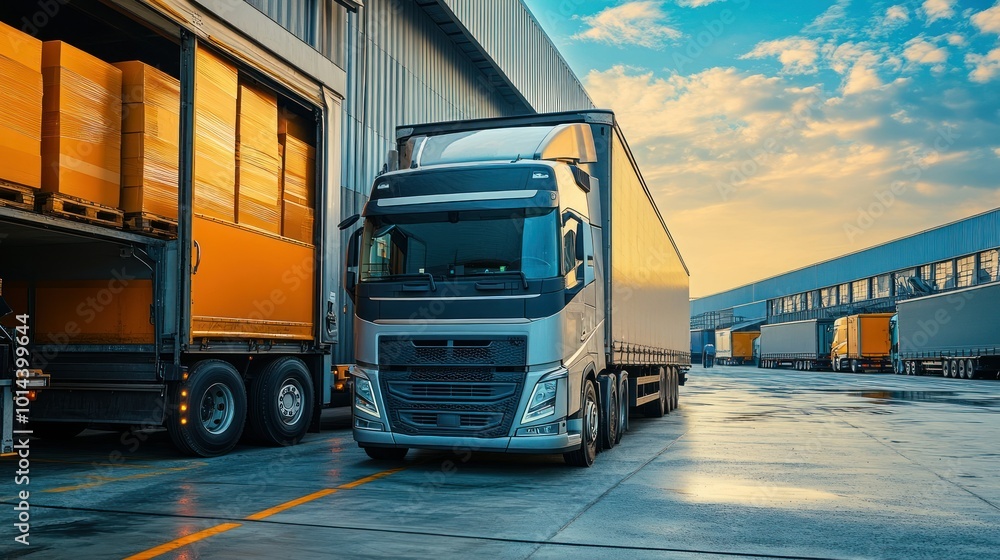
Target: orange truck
(734,347)
(171,258)
(861,342)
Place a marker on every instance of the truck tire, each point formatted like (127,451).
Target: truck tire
(56,431)
(611,412)
(677,390)
(216,412)
(387,453)
(622,405)
(590,410)
(657,408)
(961,369)
(855,367)
(970,369)
(281,403)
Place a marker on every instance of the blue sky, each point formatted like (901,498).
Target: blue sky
(778,134)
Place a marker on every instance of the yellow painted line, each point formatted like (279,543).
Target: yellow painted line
(200,535)
(288,505)
(102,480)
(183,541)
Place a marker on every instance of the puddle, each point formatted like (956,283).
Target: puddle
(905,397)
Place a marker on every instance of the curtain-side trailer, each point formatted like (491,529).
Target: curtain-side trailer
(518,291)
(953,333)
(225,318)
(802,345)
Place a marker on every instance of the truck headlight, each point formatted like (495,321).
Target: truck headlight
(364,396)
(542,402)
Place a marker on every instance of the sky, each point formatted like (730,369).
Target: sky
(777,134)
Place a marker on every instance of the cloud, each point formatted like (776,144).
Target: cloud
(642,24)
(985,67)
(831,21)
(956,40)
(938,9)
(863,76)
(797,54)
(921,51)
(988,21)
(895,17)
(696,3)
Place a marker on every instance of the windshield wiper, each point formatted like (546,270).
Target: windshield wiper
(524,277)
(427,275)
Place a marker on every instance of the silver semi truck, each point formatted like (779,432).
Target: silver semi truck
(515,289)
(801,345)
(955,334)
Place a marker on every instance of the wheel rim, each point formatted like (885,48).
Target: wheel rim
(664,392)
(290,402)
(592,420)
(970,369)
(961,369)
(218,408)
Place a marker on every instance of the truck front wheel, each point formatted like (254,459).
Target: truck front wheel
(281,402)
(211,410)
(585,455)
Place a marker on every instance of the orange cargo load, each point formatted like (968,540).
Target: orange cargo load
(216,91)
(297,222)
(77,309)
(299,174)
(150,140)
(20,108)
(81,125)
(258,159)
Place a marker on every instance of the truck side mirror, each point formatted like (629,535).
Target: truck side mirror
(351,262)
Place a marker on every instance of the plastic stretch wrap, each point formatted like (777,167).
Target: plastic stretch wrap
(299,170)
(258,161)
(150,140)
(20,108)
(81,125)
(297,222)
(216,88)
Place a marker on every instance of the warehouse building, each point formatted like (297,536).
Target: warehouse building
(948,257)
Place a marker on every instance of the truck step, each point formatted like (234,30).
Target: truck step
(13,195)
(64,206)
(151,224)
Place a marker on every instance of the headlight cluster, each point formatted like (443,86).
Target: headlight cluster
(542,402)
(364,396)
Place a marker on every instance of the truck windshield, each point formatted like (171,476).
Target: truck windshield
(464,243)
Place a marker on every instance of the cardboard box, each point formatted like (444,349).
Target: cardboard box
(299,170)
(297,222)
(150,140)
(20,107)
(216,91)
(81,125)
(258,160)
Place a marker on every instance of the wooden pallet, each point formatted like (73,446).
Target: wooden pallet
(151,224)
(55,204)
(13,195)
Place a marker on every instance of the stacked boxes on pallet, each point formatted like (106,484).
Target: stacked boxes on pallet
(20,108)
(150,140)
(81,125)
(299,178)
(216,89)
(258,159)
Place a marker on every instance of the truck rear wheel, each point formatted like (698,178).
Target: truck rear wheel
(211,410)
(970,369)
(585,455)
(855,367)
(612,418)
(281,402)
(676,384)
(658,408)
(622,405)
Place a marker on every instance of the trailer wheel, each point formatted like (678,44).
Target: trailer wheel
(387,453)
(908,368)
(56,431)
(281,402)
(216,402)
(585,455)
(657,408)
(677,389)
(946,368)
(622,405)
(970,369)
(612,416)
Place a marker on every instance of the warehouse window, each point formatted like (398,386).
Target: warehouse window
(881,286)
(926,273)
(859,290)
(844,292)
(966,268)
(828,296)
(901,280)
(944,275)
(811,300)
(987,267)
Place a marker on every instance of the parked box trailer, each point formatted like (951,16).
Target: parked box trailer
(734,347)
(861,342)
(797,344)
(699,338)
(209,325)
(551,297)
(954,333)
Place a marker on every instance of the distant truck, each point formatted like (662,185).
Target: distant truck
(516,291)
(861,343)
(955,334)
(699,338)
(733,348)
(801,345)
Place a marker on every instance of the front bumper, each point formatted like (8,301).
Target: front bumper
(560,443)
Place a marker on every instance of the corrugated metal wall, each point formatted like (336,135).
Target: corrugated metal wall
(402,68)
(977,233)
(515,41)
